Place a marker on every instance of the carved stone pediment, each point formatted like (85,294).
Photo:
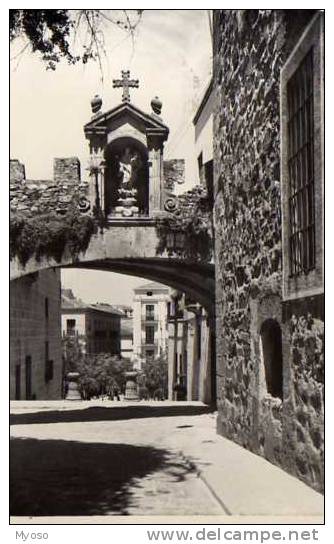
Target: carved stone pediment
(129,116)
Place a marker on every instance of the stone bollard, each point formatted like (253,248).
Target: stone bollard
(73,391)
(131,389)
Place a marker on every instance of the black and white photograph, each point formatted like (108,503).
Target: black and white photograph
(166,293)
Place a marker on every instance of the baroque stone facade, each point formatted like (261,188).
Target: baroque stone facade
(279,417)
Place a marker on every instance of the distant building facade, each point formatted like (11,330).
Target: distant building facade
(150,332)
(126,331)
(35,337)
(96,327)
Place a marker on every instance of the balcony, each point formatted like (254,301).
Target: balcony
(150,317)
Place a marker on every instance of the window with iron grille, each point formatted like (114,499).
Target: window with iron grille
(301,168)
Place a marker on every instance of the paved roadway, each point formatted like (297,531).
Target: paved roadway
(145,459)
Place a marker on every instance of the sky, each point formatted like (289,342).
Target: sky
(171,57)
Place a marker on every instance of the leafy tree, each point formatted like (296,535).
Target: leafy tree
(72,353)
(102,374)
(155,377)
(52,32)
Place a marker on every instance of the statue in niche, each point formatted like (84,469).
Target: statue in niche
(129,166)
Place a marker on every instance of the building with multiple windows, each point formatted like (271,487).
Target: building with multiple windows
(150,333)
(96,327)
(35,338)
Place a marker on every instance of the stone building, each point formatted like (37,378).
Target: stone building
(150,310)
(268,191)
(95,327)
(190,351)
(35,338)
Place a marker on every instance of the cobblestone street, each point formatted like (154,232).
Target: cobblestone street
(146,459)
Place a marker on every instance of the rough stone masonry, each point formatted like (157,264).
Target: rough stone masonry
(250,48)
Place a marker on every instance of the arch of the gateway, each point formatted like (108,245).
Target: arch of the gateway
(130,186)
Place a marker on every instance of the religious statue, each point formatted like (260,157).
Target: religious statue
(129,166)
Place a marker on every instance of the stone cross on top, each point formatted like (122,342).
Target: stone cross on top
(126,83)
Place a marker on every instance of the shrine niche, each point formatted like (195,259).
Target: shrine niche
(126,157)
(126,179)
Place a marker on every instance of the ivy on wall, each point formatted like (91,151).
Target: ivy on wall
(187,232)
(48,235)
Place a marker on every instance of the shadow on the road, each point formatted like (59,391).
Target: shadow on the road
(64,478)
(107,414)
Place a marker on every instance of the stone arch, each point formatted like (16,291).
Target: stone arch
(130,150)
(272,356)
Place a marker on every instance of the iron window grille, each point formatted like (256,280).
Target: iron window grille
(301,168)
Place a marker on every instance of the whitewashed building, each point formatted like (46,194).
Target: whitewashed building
(150,326)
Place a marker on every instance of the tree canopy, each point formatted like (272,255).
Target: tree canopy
(154,377)
(52,33)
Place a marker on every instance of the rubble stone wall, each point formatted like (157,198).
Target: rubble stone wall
(39,197)
(66,170)
(250,48)
(16,171)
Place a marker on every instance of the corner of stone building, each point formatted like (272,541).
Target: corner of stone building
(288,431)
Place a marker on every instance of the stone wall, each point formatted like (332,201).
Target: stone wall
(250,48)
(66,170)
(30,329)
(40,197)
(173,172)
(16,171)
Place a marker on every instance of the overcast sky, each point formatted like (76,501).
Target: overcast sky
(172,59)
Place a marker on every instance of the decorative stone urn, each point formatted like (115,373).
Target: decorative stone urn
(73,391)
(131,388)
(156,105)
(96,104)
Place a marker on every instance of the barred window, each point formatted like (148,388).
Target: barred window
(301,167)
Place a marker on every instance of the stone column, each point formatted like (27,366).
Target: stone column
(155,157)
(205,369)
(192,362)
(96,170)
(171,358)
